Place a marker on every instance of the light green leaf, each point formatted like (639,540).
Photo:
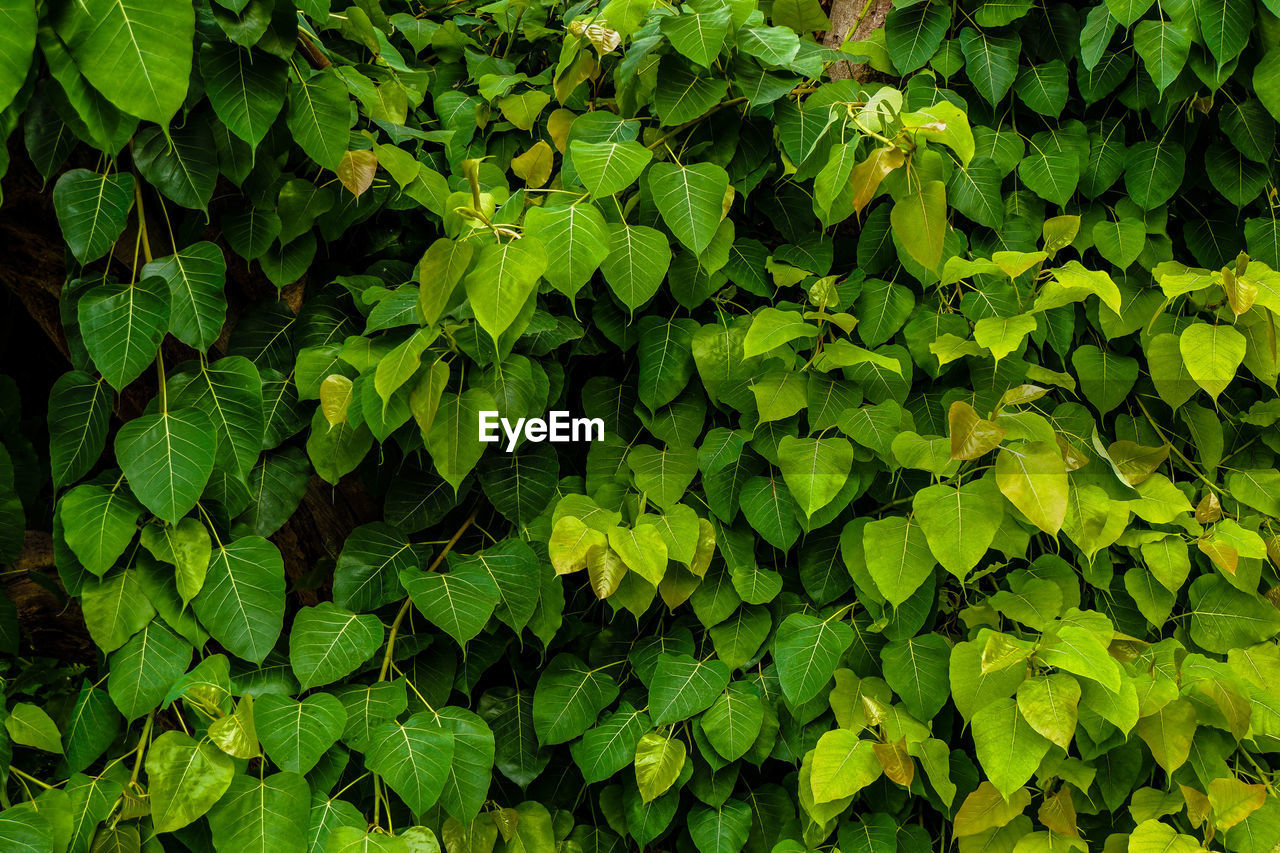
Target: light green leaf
(658,762)
(606,168)
(959,524)
(1034,479)
(577,241)
(1212,354)
(1009,749)
(898,556)
(815,469)
(843,764)
(502,280)
(919,220)
(29,725)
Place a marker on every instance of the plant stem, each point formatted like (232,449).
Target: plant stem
(142,748)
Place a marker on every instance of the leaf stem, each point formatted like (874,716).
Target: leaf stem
(1165,438)
(30,778)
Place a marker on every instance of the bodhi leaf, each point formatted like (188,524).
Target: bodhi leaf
(959,524)
(185,778)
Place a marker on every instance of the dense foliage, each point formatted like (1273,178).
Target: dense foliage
(937,503)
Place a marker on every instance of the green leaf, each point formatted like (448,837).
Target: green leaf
(1048,703)
(658,761)
(242,601)
(137,52)
(568,699)
(807,650)
(513,567)
(184,779)
(1043,87)
(246,88)
(122,326)
(79,413)
(917,670)
(263,815)
(685,95)
(1034,479)
(92,210)
(682,686)
(18,44)
(991,62)
(663,475)
(181,164)
(843,764)
(733,722)
(577,241)
(413,758)
(610,745)
(638,260)
(467,786)
(1163,46)
(607,168)
(296,734)
(913,33)
(327,643)
(1224,618)
(1153,171)
(454,441)
(724,829)
(458,602)
(1152,836)
(1105,378)
(502,280)
(898,556)
(197,305)
(115,608)
(1168,733)
(690,199)
(959,524)
(698,36)
(1009,749)
(144,669)
(229,391)
(98,524)
(1120,242)
(29,725)
(319,117)
(1212,355)
(919,220)
(92,728)
(167,459)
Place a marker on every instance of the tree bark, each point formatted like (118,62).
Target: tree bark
(854,20)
